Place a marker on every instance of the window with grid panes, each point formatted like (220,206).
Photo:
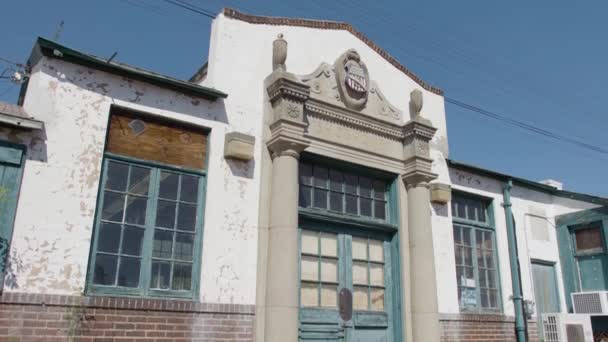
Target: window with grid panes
(368,274)
(320,278)
(342,192)
(475,254)
(149,225)
(319,269)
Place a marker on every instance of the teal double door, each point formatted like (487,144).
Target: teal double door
(11,166)
(334,262)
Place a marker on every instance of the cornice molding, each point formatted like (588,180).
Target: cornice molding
(353,119)
(285,85)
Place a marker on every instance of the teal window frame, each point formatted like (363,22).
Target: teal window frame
(376,182)
(593,224)
(144,289)
(487,225)
(566,224)
(12,164)
(347,226)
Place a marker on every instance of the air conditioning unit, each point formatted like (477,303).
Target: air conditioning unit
(560,327)
(592,302)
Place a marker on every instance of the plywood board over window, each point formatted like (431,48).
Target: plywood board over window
(151,139)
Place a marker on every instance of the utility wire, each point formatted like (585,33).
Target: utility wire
(10,62)
(499,117)
(191,7)
(526,126)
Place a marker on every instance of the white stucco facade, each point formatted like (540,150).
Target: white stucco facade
(55,216)
(50,248)
(527,204)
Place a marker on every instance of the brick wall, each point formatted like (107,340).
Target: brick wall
(36,317)
(476,327)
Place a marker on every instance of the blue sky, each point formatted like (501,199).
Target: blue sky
(542,62)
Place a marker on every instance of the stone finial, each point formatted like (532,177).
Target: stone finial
(279,53)
(416,101)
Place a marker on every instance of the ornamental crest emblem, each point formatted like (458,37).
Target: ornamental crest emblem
(353,79)
(356,78)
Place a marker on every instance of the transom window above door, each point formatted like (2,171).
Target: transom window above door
(341,191)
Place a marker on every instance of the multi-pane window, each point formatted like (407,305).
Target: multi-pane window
(174,232)
(321,277)
(319,269)
(149,222)
(342,192)
(475,255)
(368,274)
(123,224)
(138,199)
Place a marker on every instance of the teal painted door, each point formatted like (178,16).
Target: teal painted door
(545,290)
(330,262)
(11,163)
(592,272)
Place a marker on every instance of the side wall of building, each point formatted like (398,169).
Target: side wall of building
(45,286)
(532,245)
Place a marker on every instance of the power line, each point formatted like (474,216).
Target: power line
(146,6)
(516,123)
(191,7)
(523,125)
(10,62)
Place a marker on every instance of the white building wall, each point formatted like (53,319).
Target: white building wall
(50,248)
(240,57)
(54,220)
(526,203)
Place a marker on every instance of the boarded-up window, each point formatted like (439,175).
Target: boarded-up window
(539,228)
(589,240)
(150,139)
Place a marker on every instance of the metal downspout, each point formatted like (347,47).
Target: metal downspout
(518,301)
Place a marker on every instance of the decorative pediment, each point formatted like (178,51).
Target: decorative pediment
(339,112)
(347,84)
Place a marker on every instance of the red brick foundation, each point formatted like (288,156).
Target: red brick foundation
(477,327)
(35,317)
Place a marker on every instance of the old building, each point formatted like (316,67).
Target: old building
(298,187)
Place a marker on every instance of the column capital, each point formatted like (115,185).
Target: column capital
(282,84)
(287,138)
(418,172)
(287,96)
(417,133)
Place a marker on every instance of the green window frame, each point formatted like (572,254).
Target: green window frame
(12,162)
(585,244)
(367,256)
(151,246)
(343,192)
(475,254)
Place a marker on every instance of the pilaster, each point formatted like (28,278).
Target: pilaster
(423,283)
(285,143)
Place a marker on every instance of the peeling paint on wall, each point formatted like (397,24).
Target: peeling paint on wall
(55,214)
